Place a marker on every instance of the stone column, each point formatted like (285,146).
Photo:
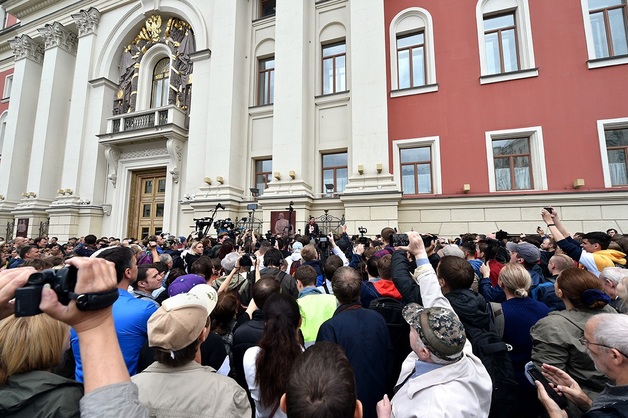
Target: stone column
(372,195)
(87,24)
(293,136)
(29,56)
(64,212)
(51,121)
(218,123)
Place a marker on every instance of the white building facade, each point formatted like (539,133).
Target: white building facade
(135,117)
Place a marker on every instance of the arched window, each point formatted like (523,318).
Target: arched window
(505,40)
(161,76)
(412,63)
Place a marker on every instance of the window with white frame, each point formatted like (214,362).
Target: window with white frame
(263,171)
(335,171)
(606,31)
(416,170)
(616,148)
(334,63)
(8,84)
(266,81)
(413,68)
(516,160)
(417,166)
(505,40)
(3,128)
(161,83)
(266,8)
(613,137)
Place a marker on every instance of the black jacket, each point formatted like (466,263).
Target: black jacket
(402,276)
(471,308)
(245,336)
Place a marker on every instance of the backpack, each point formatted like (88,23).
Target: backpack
(398,329)
(498,318)
(546,294)
(493,352)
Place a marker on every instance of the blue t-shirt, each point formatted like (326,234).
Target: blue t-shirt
(130,318)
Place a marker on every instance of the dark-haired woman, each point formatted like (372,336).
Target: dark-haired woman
(267,367)
(556,338)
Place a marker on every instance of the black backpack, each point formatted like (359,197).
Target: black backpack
(493,353)
(398,329)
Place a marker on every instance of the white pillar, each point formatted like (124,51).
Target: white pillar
(293,147)
(369,118)
(221,146)
(53,105)
(87,24)
(20,127)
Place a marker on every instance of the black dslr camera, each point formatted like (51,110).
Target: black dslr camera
(27,298)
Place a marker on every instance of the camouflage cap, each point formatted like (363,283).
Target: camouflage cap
(439,328)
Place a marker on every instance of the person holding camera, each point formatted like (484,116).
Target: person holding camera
(130,314)
(108,389)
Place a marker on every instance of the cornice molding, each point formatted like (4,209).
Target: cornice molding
(23,8)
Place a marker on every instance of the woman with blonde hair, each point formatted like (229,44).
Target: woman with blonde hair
(556,338)
(29,348)
(520,314)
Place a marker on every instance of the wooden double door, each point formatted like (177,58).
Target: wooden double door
(146,209)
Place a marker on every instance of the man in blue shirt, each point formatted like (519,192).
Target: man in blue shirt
(130,315)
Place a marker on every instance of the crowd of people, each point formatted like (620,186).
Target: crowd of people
(396,325)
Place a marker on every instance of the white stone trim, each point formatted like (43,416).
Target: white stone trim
(602,125)
(145,76)
(430,141)
(8,83)
(537,155)
(397,27)
(524,33)
(593,61)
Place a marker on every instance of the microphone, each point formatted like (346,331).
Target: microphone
(220,206)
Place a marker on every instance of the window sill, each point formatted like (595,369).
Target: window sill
(342,96)
(261,110)
(513,75)
(607,62)
(430,88)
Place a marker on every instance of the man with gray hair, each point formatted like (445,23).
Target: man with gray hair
(606,339)
(610,277)
(441,373)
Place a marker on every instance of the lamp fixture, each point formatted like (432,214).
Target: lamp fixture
(578,183)
(292,174)
(254,191)
(466,188)
(220,180)
(207,180)
(277,175)
(379,168)
(360,169)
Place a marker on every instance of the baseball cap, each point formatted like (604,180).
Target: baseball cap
(228,263)
(184,283)
(439,328)
(529,252)
(181,318)
(452,250)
